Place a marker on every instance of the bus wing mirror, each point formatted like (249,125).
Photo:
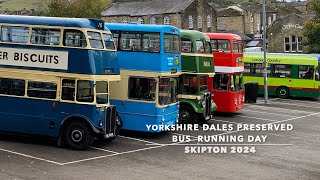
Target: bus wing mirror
(92,84)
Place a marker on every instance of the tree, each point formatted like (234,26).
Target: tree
(76,8)
(312,29)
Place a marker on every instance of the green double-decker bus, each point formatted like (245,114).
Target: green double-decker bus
(288,75)
(196,65)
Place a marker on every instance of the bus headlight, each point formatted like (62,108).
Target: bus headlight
(163,118)
(203,104)
(100,123)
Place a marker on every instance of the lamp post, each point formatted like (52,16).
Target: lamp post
(265,73)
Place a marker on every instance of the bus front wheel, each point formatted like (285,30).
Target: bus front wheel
(283,92)
(186,115)
(78,136)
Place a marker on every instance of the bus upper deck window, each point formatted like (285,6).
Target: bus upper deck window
(151,42)
(14,34)
(200,47)
(186,46)
(108,41)
(207,47)
(45,36)
(171,43)
(224,45)
(74,38)
(95,40)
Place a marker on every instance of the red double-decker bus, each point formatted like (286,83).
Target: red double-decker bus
(227,84)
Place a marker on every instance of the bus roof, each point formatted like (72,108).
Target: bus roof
(142,27)
(288,54)
(53,21)
(228,36)
(193,34)
(281,59)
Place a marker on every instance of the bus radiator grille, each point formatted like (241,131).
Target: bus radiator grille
(110,121)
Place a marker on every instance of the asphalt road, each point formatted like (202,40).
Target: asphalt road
(284,155)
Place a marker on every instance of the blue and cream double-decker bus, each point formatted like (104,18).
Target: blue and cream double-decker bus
(54,78)
(149,59)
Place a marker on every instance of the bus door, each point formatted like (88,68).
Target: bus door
(66,106)
(305,80)
(220,86)
(38,111)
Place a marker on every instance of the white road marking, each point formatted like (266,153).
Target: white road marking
(262,112)
(225,121)
(251,117)
(295,100)
(110,155)
(277,108)
(299,105)
(141,140)
(32,157)
(105,150)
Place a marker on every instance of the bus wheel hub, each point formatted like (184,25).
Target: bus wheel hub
(76,136)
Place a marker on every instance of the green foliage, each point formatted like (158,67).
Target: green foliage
(76,8)
(312,29)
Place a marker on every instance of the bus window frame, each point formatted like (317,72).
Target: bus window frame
(156,91)
(62,29)
(191,48)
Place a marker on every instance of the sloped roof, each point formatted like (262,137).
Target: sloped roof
(301,3)
(146,7)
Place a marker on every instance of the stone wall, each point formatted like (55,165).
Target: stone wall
(291,25)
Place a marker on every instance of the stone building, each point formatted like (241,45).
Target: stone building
(245,18)
(184,14)
(286,35)
(302,6)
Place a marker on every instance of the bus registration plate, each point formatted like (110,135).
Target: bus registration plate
(206,63)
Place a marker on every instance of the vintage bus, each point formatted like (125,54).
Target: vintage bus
(149,58)
(288,75)
(54,78)
(227,84)
(197,65)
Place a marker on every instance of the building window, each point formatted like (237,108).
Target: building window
(140,20)
(199,22)
(166,20)
(113,20)
(286,44)
(190,22)
(153,20)
(274,17)
(251,18)
(125,20)
(251,29)
(209,21)
(269,21)
(293,43)
(299,45)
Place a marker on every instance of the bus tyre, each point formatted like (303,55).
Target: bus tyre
(283,92)
(186,115)
(78,136)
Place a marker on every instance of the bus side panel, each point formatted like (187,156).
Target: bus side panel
(303,88)
(31,116)
(136,115)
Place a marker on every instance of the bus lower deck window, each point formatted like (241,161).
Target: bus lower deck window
(42,90)
(68,89)
(12,87)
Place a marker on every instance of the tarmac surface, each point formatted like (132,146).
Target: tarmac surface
(284,154)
